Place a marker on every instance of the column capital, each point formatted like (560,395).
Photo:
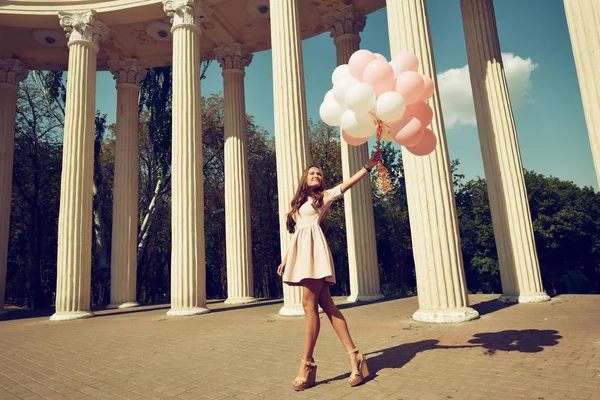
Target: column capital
(345,21)
(187,12)
(83,27)
(233,56)
(127,71)
(12,71)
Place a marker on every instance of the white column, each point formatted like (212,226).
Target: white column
(84,31)
(291,128)
(128,74)
(11,74)
(240,287)
(188,263)
(511,218)
(582,18)
(432,209)
(345,25)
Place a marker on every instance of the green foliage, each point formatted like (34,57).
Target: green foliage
(477,238)
(566,222)
(392,227)
(155,98)
(264,216)
(566,230)
(154,234)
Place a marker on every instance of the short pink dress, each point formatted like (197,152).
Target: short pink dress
(308,254)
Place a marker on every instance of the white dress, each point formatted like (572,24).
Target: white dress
(309,255)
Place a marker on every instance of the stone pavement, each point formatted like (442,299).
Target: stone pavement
(526,351)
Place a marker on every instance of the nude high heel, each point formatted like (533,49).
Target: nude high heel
(301,383)
(363,370)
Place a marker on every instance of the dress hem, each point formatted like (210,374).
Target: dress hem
(299,283)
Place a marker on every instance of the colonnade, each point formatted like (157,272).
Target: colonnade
(441,283)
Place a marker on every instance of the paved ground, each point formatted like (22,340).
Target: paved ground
(527,351)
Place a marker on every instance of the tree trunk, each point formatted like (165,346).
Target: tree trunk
(148,219)
(103,267)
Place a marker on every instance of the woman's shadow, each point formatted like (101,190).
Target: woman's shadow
(525,341)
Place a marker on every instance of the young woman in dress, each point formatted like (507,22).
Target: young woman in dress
(308,263)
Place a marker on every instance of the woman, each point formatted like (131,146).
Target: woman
(308,263)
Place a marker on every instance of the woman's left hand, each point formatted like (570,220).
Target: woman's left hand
(374,160)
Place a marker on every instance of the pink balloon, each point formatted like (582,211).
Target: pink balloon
(406,118)
(380,56)
(358,61)
(352,141)
(396,126)
(410,134)
(384,87)
(418,116)
(410,85)
(422,111)
(428,88)
(426,145)
(406,60)
(378,72)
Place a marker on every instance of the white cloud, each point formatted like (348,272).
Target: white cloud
(457,98)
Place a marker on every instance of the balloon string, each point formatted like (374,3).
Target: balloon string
(382,182)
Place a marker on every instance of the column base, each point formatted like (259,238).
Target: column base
(240,300)
(447,316)
(184,312)
(128,304)
(531,298)
(360,297)
(68,316)
(292,311)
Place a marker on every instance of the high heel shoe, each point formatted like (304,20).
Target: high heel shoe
(363,370)
(301,383)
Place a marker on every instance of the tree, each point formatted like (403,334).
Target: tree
(104,166)
(567,229)
(36,193)
(477,237)
(264,216)
(392,226)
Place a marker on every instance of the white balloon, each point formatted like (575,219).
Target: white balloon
(397,68)
(360,97)
(390,107)
(339,89)
(358,125)
(340,73)
(331,113)
(329,97)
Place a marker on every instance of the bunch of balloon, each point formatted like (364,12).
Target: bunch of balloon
(374,96)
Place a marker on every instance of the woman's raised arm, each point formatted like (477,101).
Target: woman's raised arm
(375,158)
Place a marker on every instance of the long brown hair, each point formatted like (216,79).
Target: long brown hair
(302,194)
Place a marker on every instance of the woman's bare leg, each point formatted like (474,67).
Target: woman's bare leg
(338,322)
(311,288)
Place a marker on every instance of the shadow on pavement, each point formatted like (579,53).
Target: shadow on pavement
(490,306)
(102,311)
(525,341)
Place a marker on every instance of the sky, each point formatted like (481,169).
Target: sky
(540,70)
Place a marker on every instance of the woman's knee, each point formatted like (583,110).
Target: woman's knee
(327,306)
(310,305)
